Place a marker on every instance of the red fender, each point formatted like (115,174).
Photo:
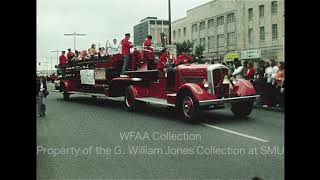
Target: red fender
(198,92)
(244,88)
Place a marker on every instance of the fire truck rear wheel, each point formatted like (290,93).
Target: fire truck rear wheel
(129,99)
(65,93)
(189,108)
(242,109)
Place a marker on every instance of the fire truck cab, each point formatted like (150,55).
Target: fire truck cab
(196,88)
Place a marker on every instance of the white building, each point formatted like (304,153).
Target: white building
(246,29)
(150,26)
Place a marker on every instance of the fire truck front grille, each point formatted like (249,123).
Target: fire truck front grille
(220,90)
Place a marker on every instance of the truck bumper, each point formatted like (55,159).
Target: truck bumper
(227,100)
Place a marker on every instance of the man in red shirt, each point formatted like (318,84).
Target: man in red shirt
(126,46)
(148,53)
(184,58)
(251,71)
(70,55)
(63,62)
(63,59)
(147,43)
(163,60)
(165,67)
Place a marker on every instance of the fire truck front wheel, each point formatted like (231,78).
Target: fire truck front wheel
(189,108)
(242,109)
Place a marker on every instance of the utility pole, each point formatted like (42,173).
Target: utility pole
(74,38)
(169,9)
(57,51)
(51,64)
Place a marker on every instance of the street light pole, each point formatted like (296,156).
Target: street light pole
(57,51)
(169,9)
(74,38)
(51,64)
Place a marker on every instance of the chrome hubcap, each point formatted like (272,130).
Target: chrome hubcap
(187,106)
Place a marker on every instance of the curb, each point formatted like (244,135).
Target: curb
(269,108)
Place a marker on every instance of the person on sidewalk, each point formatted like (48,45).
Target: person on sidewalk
(270,74)
(280,85)
(238,72)
(42,93)
(251,71)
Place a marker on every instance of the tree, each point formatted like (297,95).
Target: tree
(199,52)
(184,45)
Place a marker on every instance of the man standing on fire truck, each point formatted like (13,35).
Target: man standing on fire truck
(126,46)
(148,53)
(184,58)
(70,54)
(63,61)
(166,67)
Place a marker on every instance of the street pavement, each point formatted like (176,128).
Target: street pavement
(71,137)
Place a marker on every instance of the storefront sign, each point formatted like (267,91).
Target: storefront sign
(251,54)
(273,53)
(231,56)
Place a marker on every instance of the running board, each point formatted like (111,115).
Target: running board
(89,94)
(155,101)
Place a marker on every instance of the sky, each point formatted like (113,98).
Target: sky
(100,20)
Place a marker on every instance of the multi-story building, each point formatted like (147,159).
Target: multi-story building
(248,30)
(150,26)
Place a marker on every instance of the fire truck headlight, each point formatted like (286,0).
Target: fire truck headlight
(205,84)
(234,81)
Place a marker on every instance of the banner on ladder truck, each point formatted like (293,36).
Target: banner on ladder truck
(87,76)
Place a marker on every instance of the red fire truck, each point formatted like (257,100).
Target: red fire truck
(194,87)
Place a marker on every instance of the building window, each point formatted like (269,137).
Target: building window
(179,31)
(152,22)
(165,22)
(159,22)
(274,31)
(184,31)
(195,44)
(274,7)
(230,18)
(262,34)
(211,42)
(220,20)
(250,35)
(261,11)
(231,39)
(203,42)
(202,25)
(210,23)
(174,34)
(220,40)
(194,28)
(250,14)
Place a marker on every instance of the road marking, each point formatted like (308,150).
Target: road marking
(234,132)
